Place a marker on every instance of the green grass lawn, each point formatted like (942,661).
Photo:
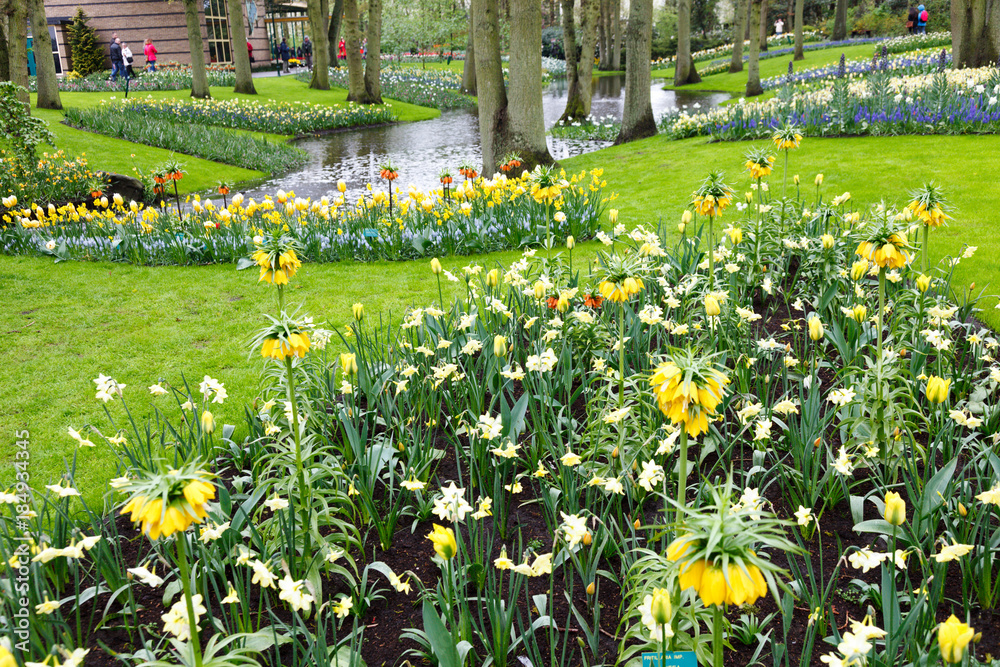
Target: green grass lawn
(118,156)
(737,83)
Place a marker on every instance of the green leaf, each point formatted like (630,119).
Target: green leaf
(442,646)
(245,263)
(880,526)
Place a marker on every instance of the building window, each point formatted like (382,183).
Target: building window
(219,44)
(55,49)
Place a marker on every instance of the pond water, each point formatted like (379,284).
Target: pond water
(421,150)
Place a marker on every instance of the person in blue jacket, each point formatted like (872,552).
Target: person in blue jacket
(922,19)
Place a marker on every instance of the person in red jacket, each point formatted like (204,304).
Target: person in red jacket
(342,50)
(250,50)
(149,51)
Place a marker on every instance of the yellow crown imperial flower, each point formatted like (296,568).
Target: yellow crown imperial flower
(893,253)
(688,396)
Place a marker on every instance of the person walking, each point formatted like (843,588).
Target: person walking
(342,50)
(128,59)
(117,63)
(284,53)
(911,20)
(149,51)
(922,17)
(307,52)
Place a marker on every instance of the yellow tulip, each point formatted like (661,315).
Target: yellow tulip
(895,509)
(660,606)
(539,288)
(859,313)
(815,328)
(436,267)
(923,283)
(348,363)
(493,277)
(6,658)
(570,242)
(827,240)
(500,346)
(859,269)
(686,217)
(712,306)
(358,310)
(953,638)
(341,186)
(207,421)
(444,542)
(937,389)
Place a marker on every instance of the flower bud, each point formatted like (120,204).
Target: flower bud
(539,290)
(341,187)
(207,421)
(659,608)
(923,283)
(636,524)
(500,346)
(859,313)
(681,227)
(827,240)
(358,310)
(962,511)
(818,180)
(436,267)
(685,217)
(591,587)
(493,277)
(795,179)
(895,509)
(859,269)
(614,453)
(570,242)
(815,328)
(562,305)
(587,539)
(712,306)
(613,215)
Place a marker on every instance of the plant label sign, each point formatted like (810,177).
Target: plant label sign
(673,659)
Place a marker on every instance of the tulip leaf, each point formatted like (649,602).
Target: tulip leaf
(442,646)
(245,263)
(880,526)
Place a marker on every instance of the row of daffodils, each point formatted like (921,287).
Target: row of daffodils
(771,435)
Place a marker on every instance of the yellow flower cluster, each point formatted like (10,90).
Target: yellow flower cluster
(288,263)
(710,205)
(275,348)
(715,584)
(933,217)
(619,292)
(893,254)
(178,514)
(683,400)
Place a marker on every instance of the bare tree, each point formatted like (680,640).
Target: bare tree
(840,21)
(355,71)
(469,66)
(684,69)
(740,14)
(46,82)
(753,78)
(579,69)
(603,35)
(241,57)
(637,117)
(799,37)
(373,56)
(318,10)
(5,10)
(513,123)
(199,77)
(975,32)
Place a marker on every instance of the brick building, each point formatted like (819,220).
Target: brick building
(164,23)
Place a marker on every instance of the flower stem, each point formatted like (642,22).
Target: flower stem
(189,603)
(711,254)
(682,472)
(299,468)
(621,357)
(923,246)
(717,660)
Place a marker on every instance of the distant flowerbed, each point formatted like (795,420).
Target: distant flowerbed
(923,41)
(54,177)
(947,102)
(726,50)
(479,215)
(435,88)
(276,117)
(720,66)
(904,64)
(170,76)
(603,128)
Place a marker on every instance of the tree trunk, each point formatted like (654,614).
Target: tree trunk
(241,58)
(574,103)
(318,10)
(17,33)
(373,57)
(604,35)
(616,33)
(4,32)
(763,26)
(492,98)
(199,77)
(469,66)
(684,70)
(524,104)
(637,116)
(975,32)
(581,79)
(753,78)
(740,14)
(840,21)
(333,32)
(799,37)
(355,71)
(46,82)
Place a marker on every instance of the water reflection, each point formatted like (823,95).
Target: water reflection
(421,150)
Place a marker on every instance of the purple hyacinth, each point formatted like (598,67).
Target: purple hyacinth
(941,59)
